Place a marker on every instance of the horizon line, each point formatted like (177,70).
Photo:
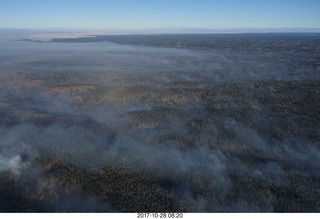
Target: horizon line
(47,34)
(170,29)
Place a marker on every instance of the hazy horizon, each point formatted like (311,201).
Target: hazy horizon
(47,34)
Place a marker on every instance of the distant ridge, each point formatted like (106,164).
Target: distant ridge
(47,34)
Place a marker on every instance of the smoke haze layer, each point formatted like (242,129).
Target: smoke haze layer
(165,123)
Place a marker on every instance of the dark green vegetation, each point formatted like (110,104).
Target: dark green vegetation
(224,42)
(109,128)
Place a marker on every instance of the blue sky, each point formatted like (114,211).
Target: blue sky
(145,14)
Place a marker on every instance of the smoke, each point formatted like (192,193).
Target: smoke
(106,127)
(107,62)
(13,164)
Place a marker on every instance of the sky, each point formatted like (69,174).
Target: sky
(151,14)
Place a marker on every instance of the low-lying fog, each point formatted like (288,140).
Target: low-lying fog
(100,126)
